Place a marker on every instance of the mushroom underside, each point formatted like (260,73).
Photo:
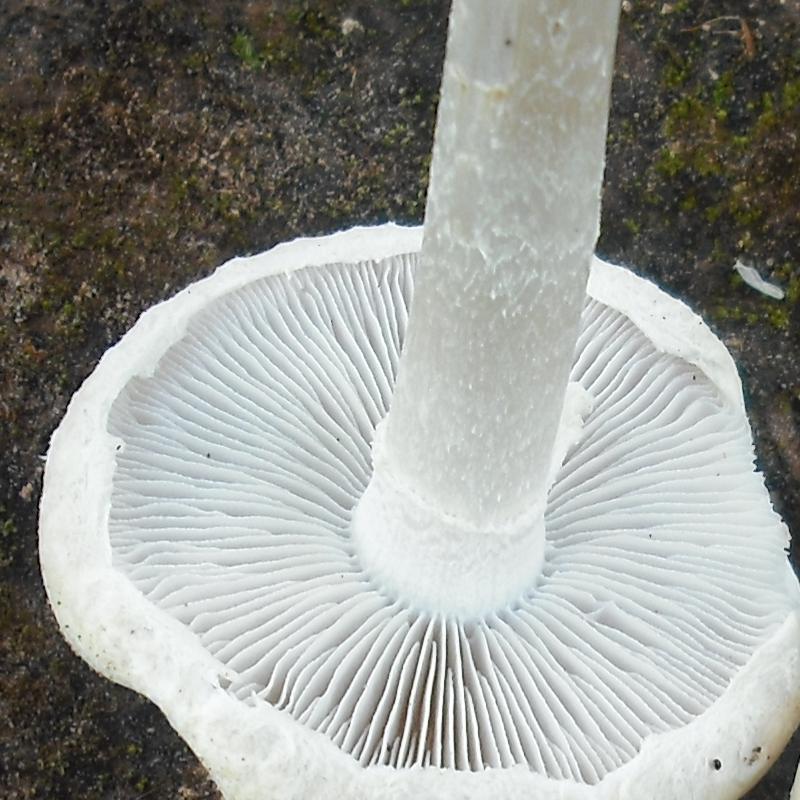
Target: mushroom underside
(246,450)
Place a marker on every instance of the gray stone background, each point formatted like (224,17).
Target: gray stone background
(143,143)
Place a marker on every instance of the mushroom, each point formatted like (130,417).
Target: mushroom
(549,570)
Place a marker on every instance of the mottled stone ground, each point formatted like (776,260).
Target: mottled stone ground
(143,143)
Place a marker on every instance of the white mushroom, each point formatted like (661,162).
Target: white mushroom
(549,571)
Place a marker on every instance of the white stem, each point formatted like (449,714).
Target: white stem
(510,228)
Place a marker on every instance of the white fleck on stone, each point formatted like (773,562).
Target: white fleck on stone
(752,278)
(350,25)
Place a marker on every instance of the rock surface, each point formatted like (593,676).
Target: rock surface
(142,144)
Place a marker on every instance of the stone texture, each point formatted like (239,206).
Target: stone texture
(142,144)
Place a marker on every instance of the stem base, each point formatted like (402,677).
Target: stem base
(437,562)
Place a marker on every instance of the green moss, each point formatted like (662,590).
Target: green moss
(724,312)
(723,92)
(735,162)
(753,311)
(244,48)
(778,317)
(399,134)
(632,225)
(676,74)
(669,162)
(789,277)
(312,23)
(415,100)
(779,107)
(741,143)
(746,215)
(745,241)
(195,61)
(790,95)
(291,41)
(281,52)
(706,162)
(685,113)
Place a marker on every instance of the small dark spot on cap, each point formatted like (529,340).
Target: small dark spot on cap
(717,764)
(208,455)
(509,42)
(753,757)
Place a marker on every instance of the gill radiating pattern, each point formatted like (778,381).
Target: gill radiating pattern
(245,452)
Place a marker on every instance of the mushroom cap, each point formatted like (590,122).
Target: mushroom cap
(194,545)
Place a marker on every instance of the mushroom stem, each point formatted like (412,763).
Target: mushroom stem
(511,222)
